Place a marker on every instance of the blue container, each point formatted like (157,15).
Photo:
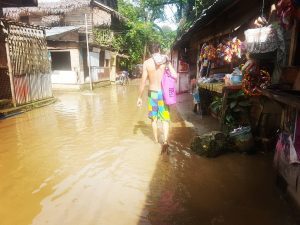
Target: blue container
(236,79)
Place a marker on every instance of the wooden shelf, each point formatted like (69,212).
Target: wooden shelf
(283,97)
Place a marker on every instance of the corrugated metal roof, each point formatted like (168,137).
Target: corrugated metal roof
(60,30)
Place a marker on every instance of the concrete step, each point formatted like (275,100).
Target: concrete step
(12,111)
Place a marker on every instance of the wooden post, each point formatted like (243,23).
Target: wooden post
(197,61)
(224,107)
(294,37)
(12,87)
(88,51)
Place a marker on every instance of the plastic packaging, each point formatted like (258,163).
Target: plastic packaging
(168,84)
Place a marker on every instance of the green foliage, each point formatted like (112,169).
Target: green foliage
(193,9)
(236,111)
(138,31)
(103,36)
(216,106)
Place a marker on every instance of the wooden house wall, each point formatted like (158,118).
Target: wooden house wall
(75,59)
(77,18)
(3,59)
(61,45)
(36,20)
(5,91)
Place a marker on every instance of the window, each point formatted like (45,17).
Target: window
(61,60)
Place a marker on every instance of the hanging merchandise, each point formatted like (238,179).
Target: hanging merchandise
(253,83)
(220,51)
(266,40)
(286,12)
(285,150)
(250,66)
(203,53)
(261,40)
(208,52)
(211,53)
(236,45)
(228,52)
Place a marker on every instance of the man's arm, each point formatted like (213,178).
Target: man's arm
(142,85)
(172,70)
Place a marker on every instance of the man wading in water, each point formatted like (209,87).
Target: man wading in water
(154,68)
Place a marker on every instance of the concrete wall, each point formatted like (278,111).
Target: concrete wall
(73,76)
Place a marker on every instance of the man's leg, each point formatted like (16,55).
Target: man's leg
(154,128)
(166,128)
(164,116)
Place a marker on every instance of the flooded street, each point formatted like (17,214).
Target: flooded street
(89,159)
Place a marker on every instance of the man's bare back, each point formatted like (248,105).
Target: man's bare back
(154,73)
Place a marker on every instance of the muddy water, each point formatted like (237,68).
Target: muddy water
(89,159)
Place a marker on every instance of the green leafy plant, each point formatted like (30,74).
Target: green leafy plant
(216,106)
(237,110)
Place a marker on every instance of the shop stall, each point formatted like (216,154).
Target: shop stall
(248,74)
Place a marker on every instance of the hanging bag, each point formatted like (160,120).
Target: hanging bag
(168,84)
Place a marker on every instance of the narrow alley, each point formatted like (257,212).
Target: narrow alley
(89,159)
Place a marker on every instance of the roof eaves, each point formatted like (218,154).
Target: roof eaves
(62,31)
(203,19)
(110,10)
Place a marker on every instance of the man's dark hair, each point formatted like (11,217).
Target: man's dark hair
(154,48)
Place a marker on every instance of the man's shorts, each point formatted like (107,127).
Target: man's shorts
(156,106)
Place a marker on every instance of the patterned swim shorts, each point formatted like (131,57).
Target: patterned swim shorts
(156,106)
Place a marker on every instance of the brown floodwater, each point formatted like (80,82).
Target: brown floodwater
(89,159)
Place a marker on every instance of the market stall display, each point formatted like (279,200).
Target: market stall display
(255,82)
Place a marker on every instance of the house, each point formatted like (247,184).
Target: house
(77,61)
(24,63)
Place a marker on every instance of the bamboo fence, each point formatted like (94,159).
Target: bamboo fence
(27,62)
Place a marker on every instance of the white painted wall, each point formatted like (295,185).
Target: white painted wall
(183,82)
(63,77)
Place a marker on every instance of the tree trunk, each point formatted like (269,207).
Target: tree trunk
(145,52)
(180,8)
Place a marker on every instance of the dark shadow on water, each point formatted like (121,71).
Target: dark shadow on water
(233,189)
(146,129)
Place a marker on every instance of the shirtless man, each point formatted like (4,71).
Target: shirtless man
(153,69)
